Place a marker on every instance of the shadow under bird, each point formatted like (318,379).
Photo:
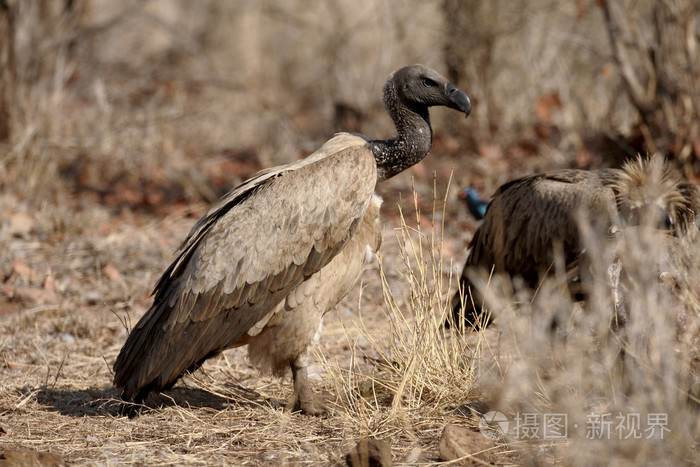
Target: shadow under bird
(531,218)
(264,265)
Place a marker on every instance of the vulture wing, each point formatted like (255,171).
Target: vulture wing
(528,215)
(526,219)
(240,260)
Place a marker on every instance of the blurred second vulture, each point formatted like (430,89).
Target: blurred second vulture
(534,220)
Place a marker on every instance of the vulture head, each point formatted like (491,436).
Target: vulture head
(408,94)
(421,87)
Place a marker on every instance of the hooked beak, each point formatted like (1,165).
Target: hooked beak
(457,99)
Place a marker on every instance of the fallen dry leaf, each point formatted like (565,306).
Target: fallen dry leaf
(23,270)
(21,224)
(35,296)
(111,271)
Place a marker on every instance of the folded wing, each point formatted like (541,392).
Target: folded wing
(239,261)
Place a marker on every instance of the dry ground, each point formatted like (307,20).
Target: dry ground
(65,309)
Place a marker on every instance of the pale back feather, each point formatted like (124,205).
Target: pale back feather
(287,332)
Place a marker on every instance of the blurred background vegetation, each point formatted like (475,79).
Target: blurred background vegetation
(145,103)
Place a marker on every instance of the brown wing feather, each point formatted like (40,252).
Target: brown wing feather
(525,219)
(241,259)
(286,334)
(528,214)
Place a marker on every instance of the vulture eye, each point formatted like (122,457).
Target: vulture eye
(428,83)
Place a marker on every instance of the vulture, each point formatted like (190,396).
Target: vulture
(530,218)
(264,264)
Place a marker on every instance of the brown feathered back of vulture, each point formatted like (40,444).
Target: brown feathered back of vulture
(531,218)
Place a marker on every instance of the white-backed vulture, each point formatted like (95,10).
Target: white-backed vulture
(277,252)
(530,218)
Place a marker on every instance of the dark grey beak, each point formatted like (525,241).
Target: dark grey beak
(458,100)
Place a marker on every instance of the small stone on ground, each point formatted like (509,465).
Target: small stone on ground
(470,446)
(28,457)
(369,453)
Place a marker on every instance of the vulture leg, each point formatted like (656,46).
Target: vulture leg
(303,398)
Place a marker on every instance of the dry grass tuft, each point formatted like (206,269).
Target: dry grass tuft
(407,383)
(627,393)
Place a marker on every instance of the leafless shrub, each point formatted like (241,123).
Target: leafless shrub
(655,48)
(623,392)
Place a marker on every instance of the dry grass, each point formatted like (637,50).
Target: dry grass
(610,385)
(410,378)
